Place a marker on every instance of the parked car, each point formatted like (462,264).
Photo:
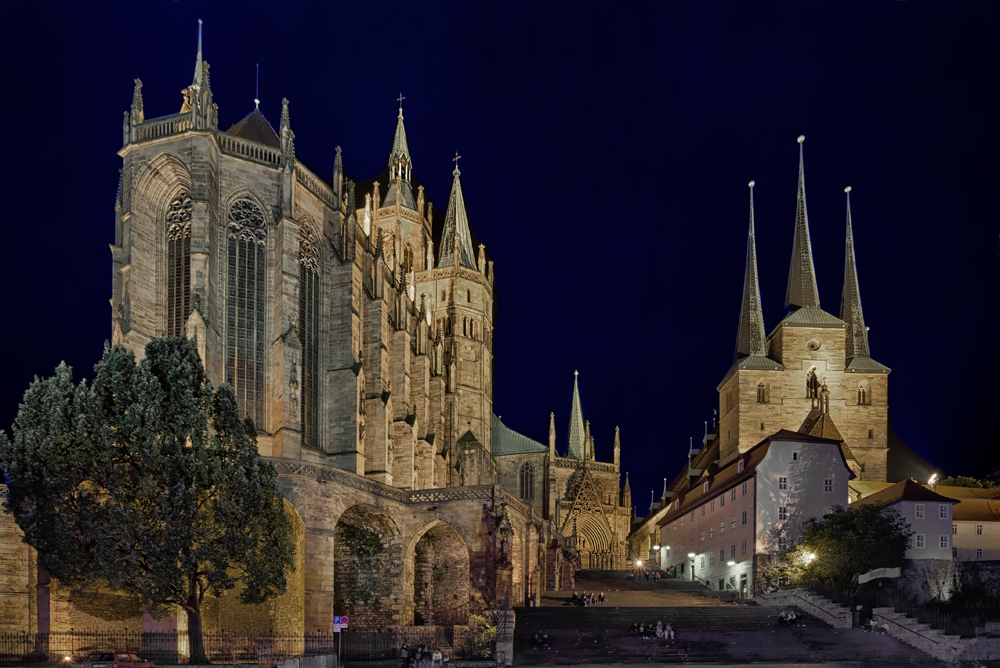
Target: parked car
(115,660)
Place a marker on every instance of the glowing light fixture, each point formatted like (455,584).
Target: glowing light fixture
(810,556)
(691,555)
(730,563)
(656,548)
(638,562)
(932,480)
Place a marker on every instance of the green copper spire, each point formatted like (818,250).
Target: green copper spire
(577,430)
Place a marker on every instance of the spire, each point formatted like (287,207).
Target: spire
(618,447)
(198,69)
(552,434)
(802,289)
(286,134)
(456,228)
(750,338)
(850,301)
(400,149)
(576,429)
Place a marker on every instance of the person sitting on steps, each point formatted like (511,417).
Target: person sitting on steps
(668,632)
(634,629)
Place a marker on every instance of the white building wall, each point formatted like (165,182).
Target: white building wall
(935,527)
(977,540)
(806,468)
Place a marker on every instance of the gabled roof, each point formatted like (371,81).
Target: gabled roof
(825,428)
(752,363)
(865,365)
(506,441)
(255,128)
(408,200)
(976,511)
(906,490)
(810,316)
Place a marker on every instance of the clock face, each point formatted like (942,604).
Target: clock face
(813,345)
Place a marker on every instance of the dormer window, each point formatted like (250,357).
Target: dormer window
(739,467)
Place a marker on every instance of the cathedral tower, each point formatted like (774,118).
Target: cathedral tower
(813,373)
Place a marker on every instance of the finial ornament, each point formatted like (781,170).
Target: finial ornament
(256,92)
(802,138)
(847,189)
(752,184)
(576,373)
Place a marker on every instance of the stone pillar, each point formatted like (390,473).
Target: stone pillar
(286,352)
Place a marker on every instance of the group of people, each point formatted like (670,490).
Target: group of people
(871,626)
(422,657)
(587,600)
(660,631)
(787,618)
(650,577)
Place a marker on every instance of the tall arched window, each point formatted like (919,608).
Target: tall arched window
(527,481)
(472,330)
(309,333)
(864,394)
(407,258)
(761,393)
(465,326)
(812,384)
(245,307)
(178,221)
(468,296)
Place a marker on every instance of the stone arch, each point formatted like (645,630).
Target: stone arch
(592,538)
(160,178)
(368,557)
(436,577)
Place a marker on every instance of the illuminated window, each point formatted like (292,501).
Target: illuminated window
(245,307)
(178,220)
(733,524)
(722,527)
(703,536)
(827,510)
(711,532)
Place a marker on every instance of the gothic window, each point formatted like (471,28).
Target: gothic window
(812,384)
(407,258)
(472,331)
(864,394)
(761,393)
(447,325)
(465,326)
(444,296)
(309,333)
(178,221)
(527,481)
(468,296)
(245,307)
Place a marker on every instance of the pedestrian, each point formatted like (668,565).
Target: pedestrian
(668,631)
(404,656)
(576,598)
(601,599)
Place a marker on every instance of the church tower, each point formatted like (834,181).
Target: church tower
(813,373)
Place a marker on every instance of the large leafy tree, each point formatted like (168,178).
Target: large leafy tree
(148,481)
(845,544)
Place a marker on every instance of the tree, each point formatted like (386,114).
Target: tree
(147,481)
(966,481)
(847,543)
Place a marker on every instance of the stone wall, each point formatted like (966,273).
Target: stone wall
(14,559)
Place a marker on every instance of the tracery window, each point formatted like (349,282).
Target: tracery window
(864,395)
(309,332)
(761,393)
(178,219)
(245,307)
(527,481)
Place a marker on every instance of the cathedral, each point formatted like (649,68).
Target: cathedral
(355,321)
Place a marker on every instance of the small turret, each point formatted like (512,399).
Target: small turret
(618,448)
(137,114)
(287,136)
(626,494)
(552,435)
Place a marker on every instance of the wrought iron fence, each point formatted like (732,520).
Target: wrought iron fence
(937,615)
(22,649)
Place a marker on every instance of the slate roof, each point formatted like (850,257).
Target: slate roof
(810,316)
(906,490)
(752,362)
(977,511)
(506,441)
(865,365)
(750,338)
(255,128)
(390,196)
(825,428)
(456,226)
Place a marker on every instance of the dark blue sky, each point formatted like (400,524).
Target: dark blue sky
(606,156)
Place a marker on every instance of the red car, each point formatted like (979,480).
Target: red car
(115,660)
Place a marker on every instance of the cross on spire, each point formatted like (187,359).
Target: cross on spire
(456,159)
(400,100)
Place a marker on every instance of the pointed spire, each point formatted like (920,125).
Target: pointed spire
(199,71)
(138,116)
(850,301)
(664,495)
(802,289)
(576,428)
(400,149)
(618,447)
(750,337)
(588,441)
(552,434)
(456,228)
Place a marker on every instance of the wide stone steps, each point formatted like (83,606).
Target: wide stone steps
(705,618)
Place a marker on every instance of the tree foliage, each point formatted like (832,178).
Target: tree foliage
(147,480)
(844,544)
(966,481)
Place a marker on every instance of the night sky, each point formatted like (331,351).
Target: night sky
(606,154)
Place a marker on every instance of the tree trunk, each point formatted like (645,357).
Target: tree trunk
(197,644)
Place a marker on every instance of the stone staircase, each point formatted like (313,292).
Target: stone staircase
(722,634)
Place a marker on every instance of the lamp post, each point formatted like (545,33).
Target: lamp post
(691,556)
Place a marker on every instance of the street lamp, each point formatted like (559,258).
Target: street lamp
(691,557)
(730,563)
